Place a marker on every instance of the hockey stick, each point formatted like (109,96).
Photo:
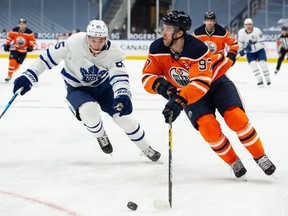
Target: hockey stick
(10,102)
(163,204)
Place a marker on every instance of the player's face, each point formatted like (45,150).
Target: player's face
(209,24)
(248,27)
(22,26)
(284,32)
(167,34)
(96,43)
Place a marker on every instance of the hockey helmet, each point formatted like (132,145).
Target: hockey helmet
(22,21)
(248,21)
(177,18)
(97,28)
(210,15)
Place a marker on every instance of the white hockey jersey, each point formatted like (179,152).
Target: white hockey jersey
(81,67)
(255,36)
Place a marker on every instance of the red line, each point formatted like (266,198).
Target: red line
(47,204)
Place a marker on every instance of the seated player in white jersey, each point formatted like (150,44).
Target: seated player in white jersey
(95,77)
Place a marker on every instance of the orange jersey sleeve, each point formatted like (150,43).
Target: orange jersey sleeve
(20,41)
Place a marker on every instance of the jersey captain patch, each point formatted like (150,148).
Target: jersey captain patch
(179,75)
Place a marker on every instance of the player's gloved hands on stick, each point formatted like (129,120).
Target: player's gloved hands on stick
(6,47)
(164,88)
(122,105)
(175,105)
(29,49)
(25,81)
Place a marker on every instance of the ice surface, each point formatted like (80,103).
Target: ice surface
(50,165)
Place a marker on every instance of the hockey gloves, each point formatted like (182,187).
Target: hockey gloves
(6,47)
(242,52)
(164,88)
(232,56)
(122,105)
(174,106)
(25,81)
(29,49)
(247,49)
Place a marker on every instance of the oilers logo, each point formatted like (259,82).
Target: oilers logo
(180,76)
(20,41)
(212,46)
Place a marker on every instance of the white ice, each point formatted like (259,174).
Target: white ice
(50,165)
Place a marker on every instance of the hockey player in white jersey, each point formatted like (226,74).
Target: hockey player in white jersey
(95,77)
(251,43)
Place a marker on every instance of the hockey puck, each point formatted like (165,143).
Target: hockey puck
(133,206)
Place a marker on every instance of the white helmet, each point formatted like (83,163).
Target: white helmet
(248,21)
(97,28)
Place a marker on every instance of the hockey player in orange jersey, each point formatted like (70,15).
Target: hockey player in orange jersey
(182,69)
(19,41)
(216,37)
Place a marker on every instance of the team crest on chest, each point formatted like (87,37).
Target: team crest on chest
(92,74)
(179,75)
(212,46)
(20,41)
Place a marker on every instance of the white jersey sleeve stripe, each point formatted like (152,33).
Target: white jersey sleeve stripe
(46,63)
(69,76)
(50,58)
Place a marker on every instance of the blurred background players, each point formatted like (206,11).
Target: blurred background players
(251,42)
(19,41)
(216,37)
(182,69)
(95,77)
(282,47)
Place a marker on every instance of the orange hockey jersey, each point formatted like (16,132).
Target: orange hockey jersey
(20,41)
(217,40)
(191,74)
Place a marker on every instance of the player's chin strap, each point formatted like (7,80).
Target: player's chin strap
(175,54)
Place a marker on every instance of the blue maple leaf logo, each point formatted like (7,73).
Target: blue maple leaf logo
(92,74)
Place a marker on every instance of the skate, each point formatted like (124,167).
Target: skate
(266,165)
(260,84)
(8,78)
(238,168)
(152,154)
(105,144)
(268,81)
